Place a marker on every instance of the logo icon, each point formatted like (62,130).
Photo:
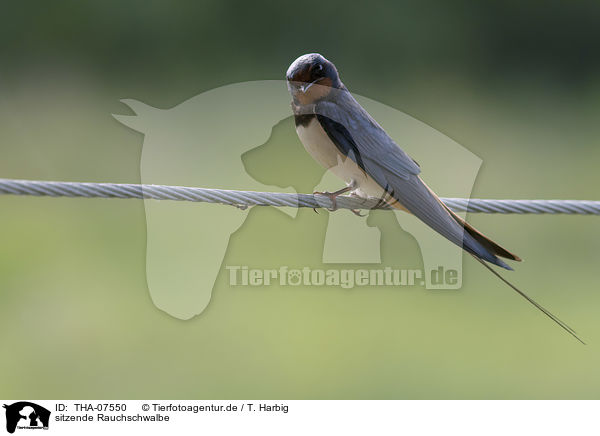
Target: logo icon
(26,415)
(219,139)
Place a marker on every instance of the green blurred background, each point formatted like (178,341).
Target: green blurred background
(517,83)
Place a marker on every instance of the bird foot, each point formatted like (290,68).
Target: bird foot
(333,197)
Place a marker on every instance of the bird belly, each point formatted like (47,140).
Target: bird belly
(324,151)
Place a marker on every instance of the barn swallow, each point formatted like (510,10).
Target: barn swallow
(341,136)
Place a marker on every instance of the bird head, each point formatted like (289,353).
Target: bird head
(311,78)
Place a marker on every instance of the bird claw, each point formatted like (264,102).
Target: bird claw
(332,196)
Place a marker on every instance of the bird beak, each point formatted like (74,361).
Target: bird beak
(307,86)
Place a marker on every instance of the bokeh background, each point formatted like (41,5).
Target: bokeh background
(517,83)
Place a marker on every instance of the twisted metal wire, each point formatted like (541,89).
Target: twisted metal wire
(243,199)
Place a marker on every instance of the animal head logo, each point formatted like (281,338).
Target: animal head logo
(25,414)
(242,137)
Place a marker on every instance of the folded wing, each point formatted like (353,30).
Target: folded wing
(363,140)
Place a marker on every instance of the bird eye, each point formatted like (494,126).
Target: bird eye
(319,67)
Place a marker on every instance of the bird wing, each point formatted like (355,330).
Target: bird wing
(357,135)
(362,138)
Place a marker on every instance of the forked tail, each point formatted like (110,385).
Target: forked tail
(532,301)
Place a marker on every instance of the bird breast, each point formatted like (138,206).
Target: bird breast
(324,151)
